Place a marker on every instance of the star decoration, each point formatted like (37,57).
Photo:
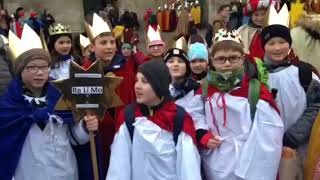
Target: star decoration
(88,91)
(296,12)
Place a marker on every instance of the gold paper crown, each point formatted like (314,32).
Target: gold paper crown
(98,27)
(59,29)
(29,40)
(181,43)
(281,18)
(84,42)
(225,35)
(153,35)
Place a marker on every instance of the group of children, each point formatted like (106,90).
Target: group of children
(186,114)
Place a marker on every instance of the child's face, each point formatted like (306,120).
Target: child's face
(104,48)
(277,49)
(227,60)
(87,51)
(177,67)
(156,50)
(126,52)
(63,45)
(35,74)
(258,17)
(198,66)
(144,91)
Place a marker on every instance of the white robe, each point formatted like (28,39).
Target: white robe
(291,97)
(152,155)
(63,71)
(48,155)
(188,103)
(249,151)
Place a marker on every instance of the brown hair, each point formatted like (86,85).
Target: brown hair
(222,7)
(103,35)
(226,45)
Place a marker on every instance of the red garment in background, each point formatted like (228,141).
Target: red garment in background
(256,49)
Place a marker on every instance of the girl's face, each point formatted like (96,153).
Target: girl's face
(258,17)
(104,48)
(227,60)
(277,49)
(177,67)
(126,52)
(144,91)
(63,45)
(198,66)
(35,74)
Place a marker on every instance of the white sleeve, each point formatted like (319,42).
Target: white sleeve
(261,153)
(197,112)
(78,134)
(120,159)
(188,159)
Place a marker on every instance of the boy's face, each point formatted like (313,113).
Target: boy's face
(35,74)
(277,49)
(156,50)
(198,66)
(177,67)
(225,13)
(104,48)
(227,60)
(144,91)
(258,17)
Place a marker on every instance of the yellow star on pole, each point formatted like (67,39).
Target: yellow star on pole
(88,90)
(296,11)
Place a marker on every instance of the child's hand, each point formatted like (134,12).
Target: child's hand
(214,142)
(91,122)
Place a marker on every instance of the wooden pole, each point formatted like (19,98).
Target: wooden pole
(93,155)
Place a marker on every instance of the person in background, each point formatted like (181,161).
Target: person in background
(60,47)
(220,21)
(48,20)
(251,32)
(6,69)
(4,22)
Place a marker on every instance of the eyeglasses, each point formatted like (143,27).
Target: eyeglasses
(35,69)
(231,59)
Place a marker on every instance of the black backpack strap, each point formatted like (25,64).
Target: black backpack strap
(305,75)
(129,119)
(178,123)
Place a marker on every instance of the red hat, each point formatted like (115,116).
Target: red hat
(254,5)
(33,14)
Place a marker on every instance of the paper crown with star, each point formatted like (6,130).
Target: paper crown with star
(226,35)
(98,27)
(179,49)
(153,36)
(278,18)
(29,40)
(84,42)
(59,29)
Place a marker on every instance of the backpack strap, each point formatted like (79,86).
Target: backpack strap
(129,119)
(305,75)
(253,96)
(178,123)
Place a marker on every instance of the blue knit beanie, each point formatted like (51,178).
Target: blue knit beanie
(198,51)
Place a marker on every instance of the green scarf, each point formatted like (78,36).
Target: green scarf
(225,81)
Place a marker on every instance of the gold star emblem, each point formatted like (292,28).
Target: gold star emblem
(88,91)
(296,12)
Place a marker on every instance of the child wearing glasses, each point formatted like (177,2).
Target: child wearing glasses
(243,137)
(35,139)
